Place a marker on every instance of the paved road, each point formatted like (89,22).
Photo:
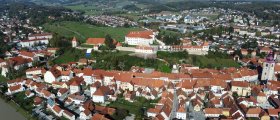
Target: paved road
(7,112)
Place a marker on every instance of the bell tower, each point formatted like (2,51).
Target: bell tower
(268,68)
(74,42)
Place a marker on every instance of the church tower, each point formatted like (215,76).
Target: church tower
(74,42)
(268,68)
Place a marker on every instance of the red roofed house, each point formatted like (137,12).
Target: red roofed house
(15,89)
(34,71)
(68,115)
(257,113)
(98,116)
(100,95)
(140,38)
(40,36)
(181,112)
(97,42)
(74,87)
(37,101)
(28,55)
(19,62)
(241,88)
(62,91)
(52,75)
(213,112)
(57,110)
(152,112)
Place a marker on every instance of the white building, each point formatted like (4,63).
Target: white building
(140,38)
(33,71)
(74,87)
(40,36)
(52,75)
(181,113)
(144,49)
(98,96)
(33,42)
(268,68)
(15,89)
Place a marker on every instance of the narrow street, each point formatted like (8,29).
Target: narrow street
(175,105)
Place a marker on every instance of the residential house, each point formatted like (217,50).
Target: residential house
(52,75)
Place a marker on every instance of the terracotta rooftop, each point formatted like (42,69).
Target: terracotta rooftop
(140,34)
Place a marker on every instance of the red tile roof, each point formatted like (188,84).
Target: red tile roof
(239,83)
(213,111)
(95,41)
(27,54)
(57,109)
(140,34)
(254,111)
(42,34)
(19,60)
(98,116)
(14,88)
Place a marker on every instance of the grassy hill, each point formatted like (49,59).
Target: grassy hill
(83,31)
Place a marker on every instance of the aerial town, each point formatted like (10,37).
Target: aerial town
(132,61)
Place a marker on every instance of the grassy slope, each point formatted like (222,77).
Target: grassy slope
(70,29)
(71,55)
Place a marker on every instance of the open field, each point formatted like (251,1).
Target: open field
(88,9)
(83,30)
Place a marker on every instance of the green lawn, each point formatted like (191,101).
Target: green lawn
(136,107)
(71,55)
(212,60)
(83,30)
(206,62)
(86,46)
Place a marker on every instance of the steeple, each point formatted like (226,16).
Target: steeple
(270,58)
(74,39)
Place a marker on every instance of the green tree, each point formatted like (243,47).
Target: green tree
(258,33)
(109,42)
(231,29)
